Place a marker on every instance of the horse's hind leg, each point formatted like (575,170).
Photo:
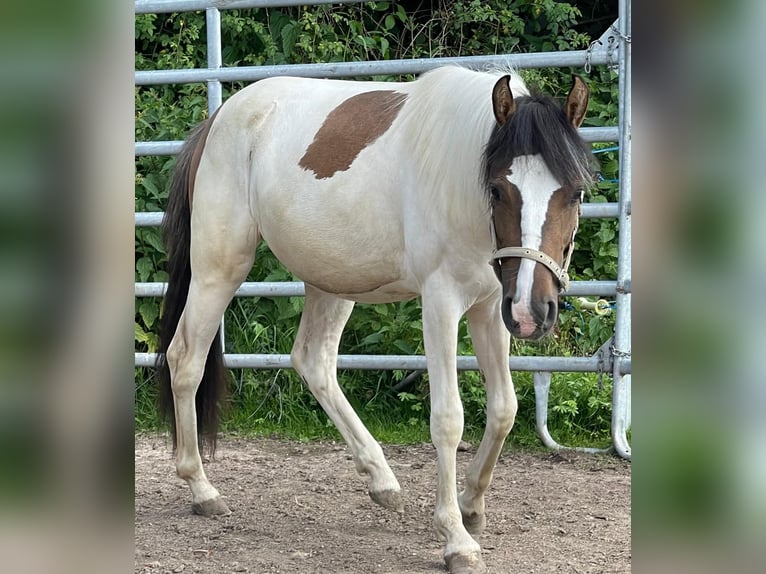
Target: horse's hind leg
(314,356)
(492,343)
(221,257)
(186,358)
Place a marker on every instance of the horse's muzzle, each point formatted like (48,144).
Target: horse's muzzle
(532,321)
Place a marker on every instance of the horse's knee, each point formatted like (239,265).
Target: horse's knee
(447,426)
(502,415)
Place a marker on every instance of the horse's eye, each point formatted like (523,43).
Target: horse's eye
(578,196)
(495,191)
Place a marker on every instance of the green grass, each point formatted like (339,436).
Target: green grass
(276,403)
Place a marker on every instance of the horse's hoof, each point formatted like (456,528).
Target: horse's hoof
(390,499)
(465,563)
(211,507)
(475,523)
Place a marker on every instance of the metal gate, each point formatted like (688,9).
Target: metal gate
(613,48)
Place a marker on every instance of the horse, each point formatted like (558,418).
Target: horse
(460,187)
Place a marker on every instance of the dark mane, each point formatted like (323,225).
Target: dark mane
(540,126)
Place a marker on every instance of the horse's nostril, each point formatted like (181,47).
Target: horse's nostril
(546,311)
(505,309)
(553,308)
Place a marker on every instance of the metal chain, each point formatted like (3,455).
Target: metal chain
(613,45)
(618,352)
(589,53)
(610,48)
(600,368)
(620,35)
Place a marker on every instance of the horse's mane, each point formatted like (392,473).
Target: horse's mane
(447,121)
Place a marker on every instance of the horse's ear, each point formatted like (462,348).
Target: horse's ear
(502,100)
(577,101)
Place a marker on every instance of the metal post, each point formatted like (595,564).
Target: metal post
(542,380)
(214,92)
(622,340)
(214,58)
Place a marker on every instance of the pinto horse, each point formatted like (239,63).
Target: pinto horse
(376,192)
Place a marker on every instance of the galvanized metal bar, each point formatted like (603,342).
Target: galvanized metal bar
(148,218)
(573,58)
(395,362)
(603,134)
(592,135)
(598,210)
(589,211)
(167,6)
(296,289)
(622,336)
(158,148)
(214,90)
(214,58)
(542,384)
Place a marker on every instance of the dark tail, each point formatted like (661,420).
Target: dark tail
(176,232)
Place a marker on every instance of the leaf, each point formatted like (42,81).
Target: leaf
(149,311)
(144,266)
(139,334)
(149,183)
(606,234)
(404,347)
(594,325)
(289,38)
(372,338)
(153,239)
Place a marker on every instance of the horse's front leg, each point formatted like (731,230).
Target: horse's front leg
(314,356)
(441,312)
(492,344)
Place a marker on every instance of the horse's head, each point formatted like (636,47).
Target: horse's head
(536,171)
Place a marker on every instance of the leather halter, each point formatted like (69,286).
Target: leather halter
(559,271)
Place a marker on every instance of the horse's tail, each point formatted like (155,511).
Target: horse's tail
(176,232)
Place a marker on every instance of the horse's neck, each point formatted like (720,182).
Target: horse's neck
(445,131)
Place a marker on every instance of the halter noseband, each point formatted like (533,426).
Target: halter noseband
(559,272)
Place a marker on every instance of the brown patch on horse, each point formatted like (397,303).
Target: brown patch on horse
(348,129)
(196,156)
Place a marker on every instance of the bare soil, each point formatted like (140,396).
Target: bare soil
(301,508)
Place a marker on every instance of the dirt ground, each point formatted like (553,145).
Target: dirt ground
(301,508)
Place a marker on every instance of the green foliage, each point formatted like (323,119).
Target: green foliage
(276,401)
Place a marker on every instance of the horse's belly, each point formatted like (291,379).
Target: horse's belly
(390,293)
(356,266)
